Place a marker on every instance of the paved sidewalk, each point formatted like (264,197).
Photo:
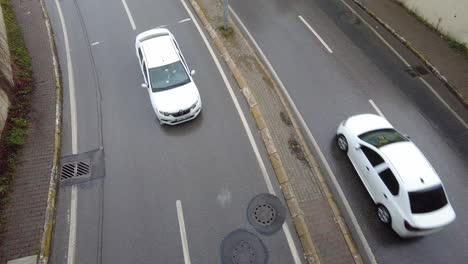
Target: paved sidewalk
(26,211)
(321,229)
(450,63)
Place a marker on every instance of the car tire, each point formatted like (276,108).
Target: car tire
(384,214)
(342,142)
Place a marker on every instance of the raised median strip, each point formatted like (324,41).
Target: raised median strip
(324,235)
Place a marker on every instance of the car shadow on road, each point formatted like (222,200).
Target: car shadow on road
(183,129)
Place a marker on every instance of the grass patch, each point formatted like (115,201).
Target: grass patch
(226,32)
(16,127)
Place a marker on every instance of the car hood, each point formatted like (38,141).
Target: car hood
(435,219)
(175,99)
(363,123)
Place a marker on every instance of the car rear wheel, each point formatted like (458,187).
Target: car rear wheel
(384,214)
(342,142)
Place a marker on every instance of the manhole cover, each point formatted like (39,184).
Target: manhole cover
(243,247)
(75,169)
(266,213)
(416,71)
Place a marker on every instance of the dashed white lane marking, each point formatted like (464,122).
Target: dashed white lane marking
(161,26)
(266,177)
(405,62)
(184,20)
(183,233)
(95,43)
(376,108)
(309,135)
(315,33)
(129,14)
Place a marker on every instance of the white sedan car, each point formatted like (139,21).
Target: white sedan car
(172,91)
(406,189)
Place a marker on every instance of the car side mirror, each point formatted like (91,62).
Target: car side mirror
(357,147)
(406,136)
(144,85)
(192,72)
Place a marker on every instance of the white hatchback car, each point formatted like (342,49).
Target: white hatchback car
(406,189)
(173,93)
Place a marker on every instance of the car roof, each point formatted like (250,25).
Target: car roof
(363,123)
(159,51)
(413,169)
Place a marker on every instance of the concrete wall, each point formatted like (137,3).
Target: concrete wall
(448,16)
(6,78)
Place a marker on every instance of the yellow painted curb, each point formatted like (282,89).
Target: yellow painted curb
(44,251)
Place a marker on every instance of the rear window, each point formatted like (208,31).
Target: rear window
(427,200)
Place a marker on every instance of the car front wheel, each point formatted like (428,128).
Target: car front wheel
(384,214)
(342,142)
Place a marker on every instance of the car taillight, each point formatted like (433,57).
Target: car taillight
(412,228)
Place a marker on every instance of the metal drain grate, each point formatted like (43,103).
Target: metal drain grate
(75,169)
(416,71)
(266,213)
(243,247)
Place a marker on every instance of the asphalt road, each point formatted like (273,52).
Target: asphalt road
(329,86)
(129,214)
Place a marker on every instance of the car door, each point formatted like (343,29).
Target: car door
(367,160)
(389,190)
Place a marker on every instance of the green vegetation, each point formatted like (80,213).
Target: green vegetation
(16,127)
(226,32)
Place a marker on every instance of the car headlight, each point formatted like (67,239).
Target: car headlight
(164,113)
(194,105)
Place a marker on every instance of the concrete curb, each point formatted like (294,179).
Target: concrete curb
(407,44)
(297,215)
(46,239)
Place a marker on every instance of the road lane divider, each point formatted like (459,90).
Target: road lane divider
(243,84)
(129,14)
(307,139)
(376,108)
(315,33)
(183,232)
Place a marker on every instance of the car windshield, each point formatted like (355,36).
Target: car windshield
(427,200)
(382,137)
(168,76)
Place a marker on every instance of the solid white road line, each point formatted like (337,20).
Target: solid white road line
(130,17)
(71,81)
(266,177)
(376,108)
(74,141)
(183,233)
(303,124)
(72,232)
(315,33)
(405,62)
